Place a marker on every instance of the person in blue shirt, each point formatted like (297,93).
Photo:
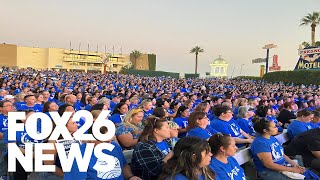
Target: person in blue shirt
(129,130)
(198,126)
(91,101)
(146,106)
(22,138)
(244,119)
(268,154)
(270,114)
(191,157)
(182,120)
(300,124)
(315,122)
(120,171)
(223,148)
(226,125)
(240,102)
(5,106)
(118,113)
(174,106)
(30,104)
(71,100)
(50,106)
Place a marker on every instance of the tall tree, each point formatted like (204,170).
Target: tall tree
(196,50)
(136,54)
(311,20)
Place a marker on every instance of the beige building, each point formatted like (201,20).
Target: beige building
(59,59)
(219,67)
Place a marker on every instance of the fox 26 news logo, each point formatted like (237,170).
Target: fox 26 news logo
(33,152)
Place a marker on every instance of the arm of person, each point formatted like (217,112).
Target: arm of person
(316,154)
(150,159)
(266,160)
(127,140)
(58,171)
(1,135)
(292,162)
(180,130)
(245,135)
(242,141)
(127,173)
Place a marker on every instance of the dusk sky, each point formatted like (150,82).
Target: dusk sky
(235,29)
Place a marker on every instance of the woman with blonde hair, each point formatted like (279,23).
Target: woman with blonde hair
(146,106)
(129,130)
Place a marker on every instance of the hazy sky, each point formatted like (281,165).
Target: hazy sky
(235,29)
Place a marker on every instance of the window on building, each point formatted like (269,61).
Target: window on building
(217,70)
(222,70)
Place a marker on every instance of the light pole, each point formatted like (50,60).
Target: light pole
(241,69)
(267,47)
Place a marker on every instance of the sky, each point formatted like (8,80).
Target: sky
(235,29)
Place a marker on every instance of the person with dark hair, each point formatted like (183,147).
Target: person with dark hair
(223,148)
(307,144)
(159,112)
(50,106)
(30,104)
(182,120)
(91,101)
(174,106)
(286,115)
(119,112)
(315,122)
(300,124)
(224,123)
(271,116)
(99,106)
(198,126)
(268,154)
(152,150)
(191,157)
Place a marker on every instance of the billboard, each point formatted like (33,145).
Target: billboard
(275,66)
(309,59)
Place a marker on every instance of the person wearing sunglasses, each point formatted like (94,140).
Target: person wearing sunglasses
(152,150)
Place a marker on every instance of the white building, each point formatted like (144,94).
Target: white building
(219,68)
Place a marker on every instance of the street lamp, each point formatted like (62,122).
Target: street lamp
(241,69)
(267,47)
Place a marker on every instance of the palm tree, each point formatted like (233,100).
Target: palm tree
(196,50)
(313,20)
(136,54)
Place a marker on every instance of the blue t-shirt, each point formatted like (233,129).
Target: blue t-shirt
(228,127)
(88,107)
(261,144)
(202,133)
(246,126)
(3,123)
(314,125)
(116,118)
(115,174)
(297,127)
(163,146)
(35,108)
(232,170)
(147,113)
(183,123)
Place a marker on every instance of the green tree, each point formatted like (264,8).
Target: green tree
(196,50)
(136,54)
(311,20)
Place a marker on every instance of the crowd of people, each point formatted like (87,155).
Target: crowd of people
(177,128)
